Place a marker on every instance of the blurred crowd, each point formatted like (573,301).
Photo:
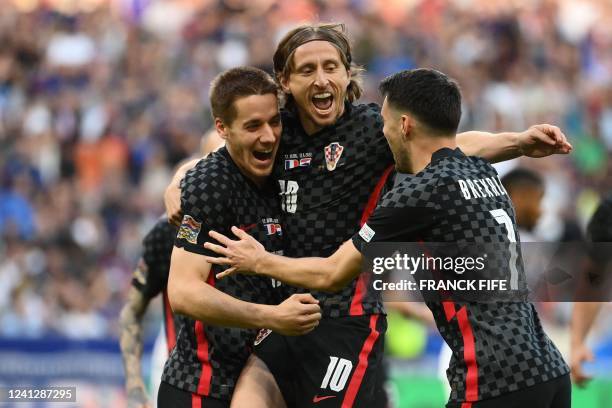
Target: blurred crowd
(100,99)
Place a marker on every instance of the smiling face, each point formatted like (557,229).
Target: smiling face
(318,83)
(253,136)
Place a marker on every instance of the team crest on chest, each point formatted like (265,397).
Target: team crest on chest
(190,229)
(333,151)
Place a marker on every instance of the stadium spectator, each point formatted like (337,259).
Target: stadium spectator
(100,99)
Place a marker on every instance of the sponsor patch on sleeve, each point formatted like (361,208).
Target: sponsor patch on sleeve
(366,233)
(190,229)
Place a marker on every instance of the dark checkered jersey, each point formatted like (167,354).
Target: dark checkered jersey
(151,275)
(215,196)
(497,347)
(330,182)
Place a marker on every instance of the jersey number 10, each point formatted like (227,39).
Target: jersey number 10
(337,374)
(289,189)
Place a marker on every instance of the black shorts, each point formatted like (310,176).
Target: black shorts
(337,364)
(169,396)
(555,393)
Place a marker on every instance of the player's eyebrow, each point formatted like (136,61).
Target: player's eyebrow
(307,64)
(311,64)
(252,122)
(334,61)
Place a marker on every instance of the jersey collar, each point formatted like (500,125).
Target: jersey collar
(293,131)
(446,152)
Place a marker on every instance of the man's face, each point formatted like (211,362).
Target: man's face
(318,83)
(392,129)
(253,136)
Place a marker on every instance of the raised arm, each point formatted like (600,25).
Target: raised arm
(537,141)
(191,295)
(246,255)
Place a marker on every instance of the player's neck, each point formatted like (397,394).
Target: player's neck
(310,126)
(422,150)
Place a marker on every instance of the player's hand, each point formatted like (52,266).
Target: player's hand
(579,355)
(543,140)
(297,315)
(242,255)
(137,398)
(172,202)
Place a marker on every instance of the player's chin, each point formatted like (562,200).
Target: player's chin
(324,118)
(262,168)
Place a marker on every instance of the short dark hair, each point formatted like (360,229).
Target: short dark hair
(522,178)
(237,83)
(431,96)
(333,33)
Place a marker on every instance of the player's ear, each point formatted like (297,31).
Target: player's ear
(221,128)
(406,125)
(284,83)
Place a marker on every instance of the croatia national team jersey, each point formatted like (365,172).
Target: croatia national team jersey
(215,195)
(330,182)
(498,347)
(151,276)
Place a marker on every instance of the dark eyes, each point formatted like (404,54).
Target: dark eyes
(255,126)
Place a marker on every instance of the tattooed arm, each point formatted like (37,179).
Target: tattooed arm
(130,322)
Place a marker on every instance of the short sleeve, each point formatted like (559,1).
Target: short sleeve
(141,280)
(389,224)
(151,274)
(206,206)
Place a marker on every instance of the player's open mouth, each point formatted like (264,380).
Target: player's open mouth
(323,101)
(263,155)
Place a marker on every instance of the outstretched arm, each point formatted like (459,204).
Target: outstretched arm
(537,141)
(189,294)
(246,255)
